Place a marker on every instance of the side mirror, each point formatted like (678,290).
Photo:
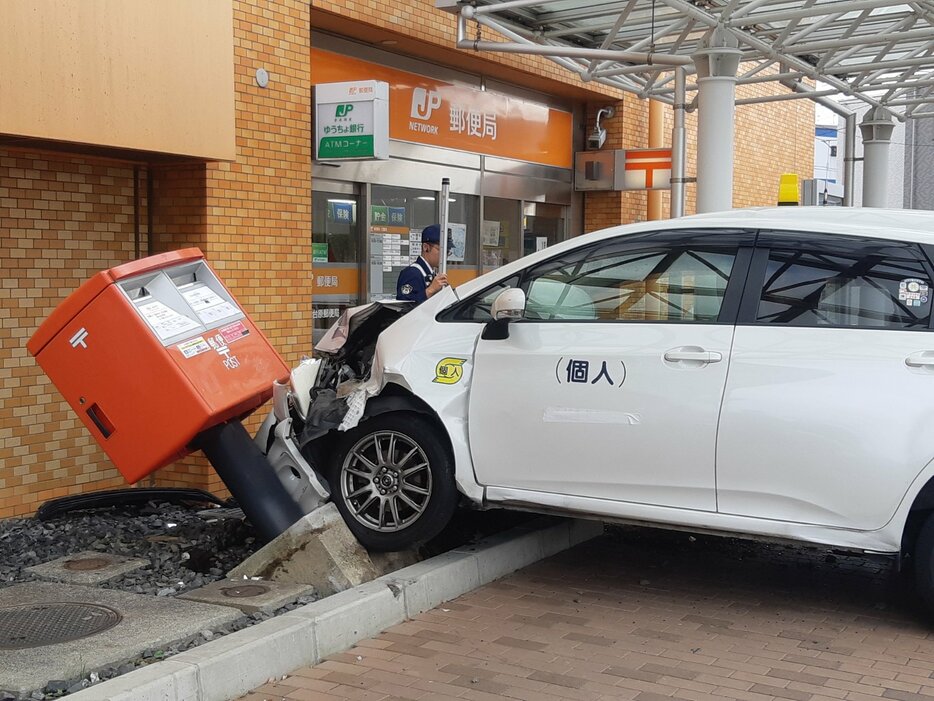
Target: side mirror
(508,306)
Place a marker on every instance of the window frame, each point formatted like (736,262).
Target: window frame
(740,241)
(769,238)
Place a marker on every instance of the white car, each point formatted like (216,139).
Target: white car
(764,373)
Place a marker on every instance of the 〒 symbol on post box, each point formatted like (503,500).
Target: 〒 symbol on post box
(79,338)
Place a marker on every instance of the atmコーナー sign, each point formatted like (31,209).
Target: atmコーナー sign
(352,120)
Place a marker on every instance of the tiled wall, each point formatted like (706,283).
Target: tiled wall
(62,219)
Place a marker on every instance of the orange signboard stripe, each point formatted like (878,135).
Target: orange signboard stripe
(649,153)
(328,280)
(437,113)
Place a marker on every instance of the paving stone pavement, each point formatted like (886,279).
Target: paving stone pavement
(651,616)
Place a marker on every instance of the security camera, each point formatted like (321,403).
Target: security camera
(597,137)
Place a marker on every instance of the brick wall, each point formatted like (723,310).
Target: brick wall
(62,219)
(252,217)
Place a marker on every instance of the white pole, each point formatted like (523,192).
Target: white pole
(443,223)
(716,63)
(876,128)
(715,115)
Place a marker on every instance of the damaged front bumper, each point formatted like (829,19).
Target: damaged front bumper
(324,395)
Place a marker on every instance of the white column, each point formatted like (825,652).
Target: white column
(876,129)
(716,88)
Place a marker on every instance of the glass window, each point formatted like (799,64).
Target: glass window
(397,217)
(478,308)
(620,281)
(334,227)
(542,226)
(842,281)
(500,235)
(335,262)
(463,223)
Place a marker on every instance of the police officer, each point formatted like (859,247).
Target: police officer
(418,282)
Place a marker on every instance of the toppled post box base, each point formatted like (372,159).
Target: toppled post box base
(320,551)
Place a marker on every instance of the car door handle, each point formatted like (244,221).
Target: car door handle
(920,359)
(680,354)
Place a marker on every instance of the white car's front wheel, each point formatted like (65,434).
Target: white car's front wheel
(393,481)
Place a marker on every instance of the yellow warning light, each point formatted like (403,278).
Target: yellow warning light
(788,190)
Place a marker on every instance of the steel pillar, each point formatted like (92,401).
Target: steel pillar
(876,129)
(716,88)
(678,150)
(849,160)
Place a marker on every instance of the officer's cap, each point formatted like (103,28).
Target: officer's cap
(431,234)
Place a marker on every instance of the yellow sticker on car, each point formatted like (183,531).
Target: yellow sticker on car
(449,371)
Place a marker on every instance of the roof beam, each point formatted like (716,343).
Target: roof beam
(822,9)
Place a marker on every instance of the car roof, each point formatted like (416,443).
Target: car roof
(896,224)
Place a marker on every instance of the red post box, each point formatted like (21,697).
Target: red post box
(152,353)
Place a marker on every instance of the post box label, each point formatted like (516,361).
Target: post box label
(193,347)
(208,305)
(165,321)
(234,332)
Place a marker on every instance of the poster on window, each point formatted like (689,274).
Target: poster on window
(490,234)
(457,242)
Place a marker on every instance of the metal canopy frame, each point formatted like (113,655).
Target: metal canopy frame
(878,51)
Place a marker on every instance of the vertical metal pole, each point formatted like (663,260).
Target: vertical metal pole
(849,159)
(443,223)
(653,204)
(678,147)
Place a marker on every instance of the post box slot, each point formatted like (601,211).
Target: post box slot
(104,425)
(181,303)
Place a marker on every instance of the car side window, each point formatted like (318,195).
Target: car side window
(845,282)
(478,307)
(627,281)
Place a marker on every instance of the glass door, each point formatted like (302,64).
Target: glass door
(335,257)
(543,225)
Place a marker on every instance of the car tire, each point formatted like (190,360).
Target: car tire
(392,480)
(923,562)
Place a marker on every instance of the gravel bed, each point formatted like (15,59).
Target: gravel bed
(185,551)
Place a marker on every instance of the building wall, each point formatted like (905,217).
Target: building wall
(255,222)
(62,219)
(119,74)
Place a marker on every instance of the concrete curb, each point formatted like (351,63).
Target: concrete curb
(233,665)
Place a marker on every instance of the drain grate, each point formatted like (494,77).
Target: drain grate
(37,625)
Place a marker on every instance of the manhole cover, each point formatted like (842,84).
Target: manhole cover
(245,591)
(37,625)
(86,564)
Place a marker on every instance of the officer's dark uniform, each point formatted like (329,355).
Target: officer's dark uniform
(413,281)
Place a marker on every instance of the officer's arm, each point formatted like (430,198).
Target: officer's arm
(411,286)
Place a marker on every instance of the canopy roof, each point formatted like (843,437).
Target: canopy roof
(878,51)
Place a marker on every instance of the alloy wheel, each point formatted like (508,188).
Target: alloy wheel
(386,481)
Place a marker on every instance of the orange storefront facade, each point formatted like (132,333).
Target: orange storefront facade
(507,152)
